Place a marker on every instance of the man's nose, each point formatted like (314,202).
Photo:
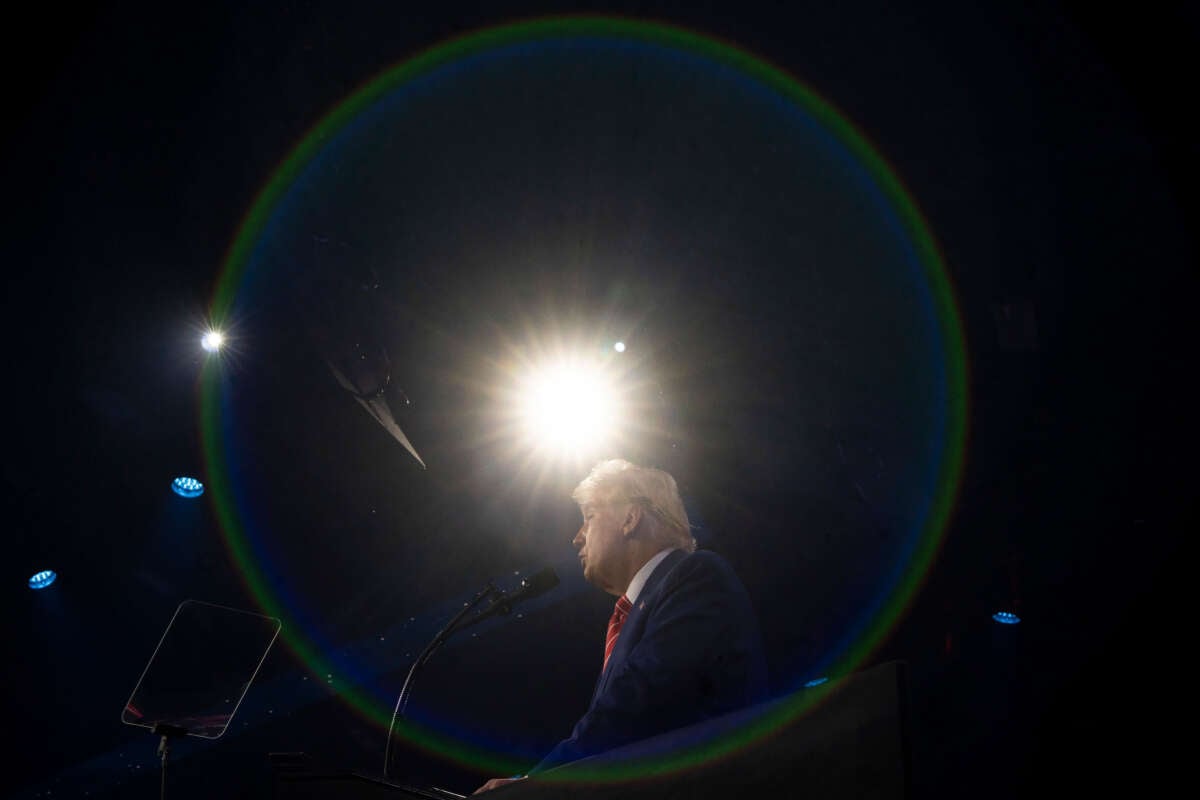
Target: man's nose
(578,540)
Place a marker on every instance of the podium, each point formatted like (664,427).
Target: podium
(845,739)
(296,777)
(850,742)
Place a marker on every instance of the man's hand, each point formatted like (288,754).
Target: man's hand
(495,782)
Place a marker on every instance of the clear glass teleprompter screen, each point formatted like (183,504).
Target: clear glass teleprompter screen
(201,669)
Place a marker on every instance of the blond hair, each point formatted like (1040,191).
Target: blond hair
(617,481)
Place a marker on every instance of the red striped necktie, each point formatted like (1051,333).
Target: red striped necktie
(620,612)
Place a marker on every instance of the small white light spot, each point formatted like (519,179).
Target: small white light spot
(619,347)
(212,341)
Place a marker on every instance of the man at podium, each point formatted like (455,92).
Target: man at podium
(683,642)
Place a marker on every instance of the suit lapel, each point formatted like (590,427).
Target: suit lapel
(635,624)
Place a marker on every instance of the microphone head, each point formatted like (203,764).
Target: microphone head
(539,583)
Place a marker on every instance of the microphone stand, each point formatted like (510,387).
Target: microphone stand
(451,627)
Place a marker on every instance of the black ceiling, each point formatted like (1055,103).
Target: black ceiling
(777,350)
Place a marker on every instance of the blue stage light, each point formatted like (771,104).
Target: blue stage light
(42,579)
(815,682)
(1006,618)
(187,487)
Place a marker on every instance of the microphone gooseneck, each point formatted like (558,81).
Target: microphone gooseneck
(502,603)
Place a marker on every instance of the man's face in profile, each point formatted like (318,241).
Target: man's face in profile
(599,542)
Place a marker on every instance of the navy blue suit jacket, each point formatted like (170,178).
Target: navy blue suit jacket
(689,650)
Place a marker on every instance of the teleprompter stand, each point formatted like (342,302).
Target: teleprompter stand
(199,673)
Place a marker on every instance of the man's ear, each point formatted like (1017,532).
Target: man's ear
(633,518)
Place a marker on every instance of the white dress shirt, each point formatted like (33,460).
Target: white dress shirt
(643,574)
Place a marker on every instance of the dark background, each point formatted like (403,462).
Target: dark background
(1050,150)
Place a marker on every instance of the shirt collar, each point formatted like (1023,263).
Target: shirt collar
(643,574)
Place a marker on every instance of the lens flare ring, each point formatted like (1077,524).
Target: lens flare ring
(952,395)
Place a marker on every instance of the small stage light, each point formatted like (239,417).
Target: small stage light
(187,487)
(619,347)
(212,341)
(42,579)
(1006,618)
(815,682)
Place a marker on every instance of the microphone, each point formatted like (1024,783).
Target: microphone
(535,585)
(502,602)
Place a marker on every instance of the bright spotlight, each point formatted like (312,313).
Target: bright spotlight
(212,341)
(568,407)
(619,347)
